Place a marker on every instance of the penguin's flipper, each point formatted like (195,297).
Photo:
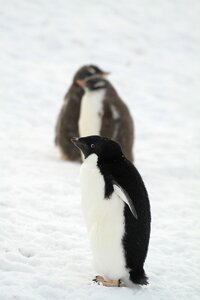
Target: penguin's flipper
(123,195)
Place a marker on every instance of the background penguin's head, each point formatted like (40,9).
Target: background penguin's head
(88,71)
(93,83)
(105,148)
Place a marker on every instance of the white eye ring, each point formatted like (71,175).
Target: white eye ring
(92,145)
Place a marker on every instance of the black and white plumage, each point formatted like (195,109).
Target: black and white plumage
(67,122)
(116,208)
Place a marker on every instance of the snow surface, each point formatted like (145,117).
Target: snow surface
(152,49)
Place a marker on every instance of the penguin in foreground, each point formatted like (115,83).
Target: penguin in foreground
(117,212)
(104,113)
(67,123)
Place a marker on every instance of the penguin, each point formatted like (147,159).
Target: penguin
(104,113)
(116,208)
(67,122)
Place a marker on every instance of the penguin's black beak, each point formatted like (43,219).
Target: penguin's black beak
(80,144)
(76,141)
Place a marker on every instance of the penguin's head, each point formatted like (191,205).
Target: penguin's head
(94,83)
(106,149)
(88,71)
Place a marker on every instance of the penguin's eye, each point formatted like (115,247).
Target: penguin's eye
(92,146)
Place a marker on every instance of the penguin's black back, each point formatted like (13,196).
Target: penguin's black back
(137,231)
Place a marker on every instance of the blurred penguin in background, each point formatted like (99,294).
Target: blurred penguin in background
(104,113)
(67,122)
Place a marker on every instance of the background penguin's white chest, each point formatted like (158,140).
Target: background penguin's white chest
(91,112)
(104,220)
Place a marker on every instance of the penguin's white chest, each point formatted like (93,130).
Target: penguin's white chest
(91,112)
(104,220)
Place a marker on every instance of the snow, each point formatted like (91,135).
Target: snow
(152,49)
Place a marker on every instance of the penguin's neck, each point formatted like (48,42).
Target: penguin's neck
(90,165)
(92,188)
(91,112)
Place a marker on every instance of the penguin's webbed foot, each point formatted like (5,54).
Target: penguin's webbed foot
(110,283)
(98,279)
(64,156)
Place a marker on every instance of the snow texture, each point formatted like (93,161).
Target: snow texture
(152,49)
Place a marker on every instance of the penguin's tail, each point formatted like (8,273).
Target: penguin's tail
(138,276)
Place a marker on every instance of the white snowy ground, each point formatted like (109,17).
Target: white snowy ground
(152,49)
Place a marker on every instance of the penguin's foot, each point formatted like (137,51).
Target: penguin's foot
(99,279)
(105,282)
(64,156)
(111,283)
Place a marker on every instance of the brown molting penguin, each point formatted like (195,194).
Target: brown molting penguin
(104,113)
(67,123)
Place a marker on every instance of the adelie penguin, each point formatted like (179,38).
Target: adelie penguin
(67,123)
(117,212)
(104,113)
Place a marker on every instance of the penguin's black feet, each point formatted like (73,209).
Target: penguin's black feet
(109,283)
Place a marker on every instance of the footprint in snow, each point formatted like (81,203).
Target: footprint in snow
(27,252)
